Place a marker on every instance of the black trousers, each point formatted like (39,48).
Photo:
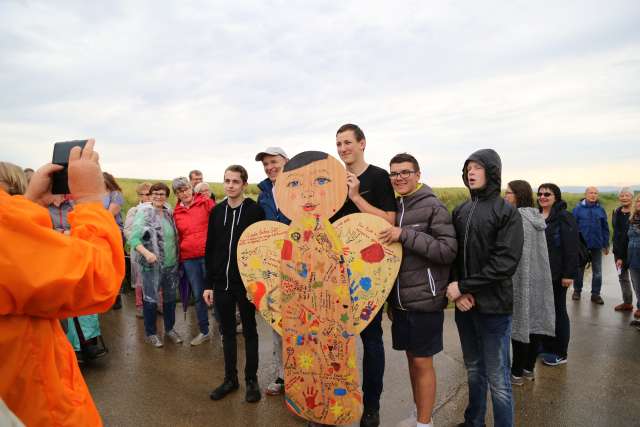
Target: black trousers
(559,344)
(225,302)
(525,354)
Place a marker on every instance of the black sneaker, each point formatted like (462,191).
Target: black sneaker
(253,392)
(370,418)
(597,299)
(225,388)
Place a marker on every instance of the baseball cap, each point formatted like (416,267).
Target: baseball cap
(271,151)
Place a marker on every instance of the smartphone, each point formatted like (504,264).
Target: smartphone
(61,151)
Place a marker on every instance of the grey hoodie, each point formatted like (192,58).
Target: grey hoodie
(429,247)
(533,306)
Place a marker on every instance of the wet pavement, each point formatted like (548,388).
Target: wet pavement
(138,385)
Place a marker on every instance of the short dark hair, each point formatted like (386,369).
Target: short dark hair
(241,170)
(523,192)
(303,159)
(405,157)
(110,182)
(160,186)
(194,172)
(355,128)
(554,189)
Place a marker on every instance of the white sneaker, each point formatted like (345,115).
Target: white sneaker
(200,338)
(154,340)
(173,335)
(275,388)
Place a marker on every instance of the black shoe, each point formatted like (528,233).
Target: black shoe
(576,296)
(225,388)
(370,418)
(118,304)
(597,299)
(253,392)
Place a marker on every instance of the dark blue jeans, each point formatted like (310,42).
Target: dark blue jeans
(194,269)
(596,273)
(372,363)
(168,279)
(485,340)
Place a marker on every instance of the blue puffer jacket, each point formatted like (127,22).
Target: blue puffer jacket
(268,203)
(593,224)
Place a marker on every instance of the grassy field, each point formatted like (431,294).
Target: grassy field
(450,196)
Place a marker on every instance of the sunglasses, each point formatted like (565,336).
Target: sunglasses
(545,194)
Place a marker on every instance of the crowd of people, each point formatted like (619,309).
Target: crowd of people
(505,261)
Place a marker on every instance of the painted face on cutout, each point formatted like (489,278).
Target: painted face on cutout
(316,189)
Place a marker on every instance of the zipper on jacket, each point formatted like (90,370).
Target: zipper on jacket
(432,282)
(398,278)
(233,222)
(466,236)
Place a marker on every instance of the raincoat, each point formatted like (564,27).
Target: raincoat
(46,276)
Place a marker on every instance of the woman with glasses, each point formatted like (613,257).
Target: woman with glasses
(143,195)
(533,306)
(154,237)
(562,244)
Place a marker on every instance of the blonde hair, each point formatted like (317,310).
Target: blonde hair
(201,186)
(144,186)
(13,177)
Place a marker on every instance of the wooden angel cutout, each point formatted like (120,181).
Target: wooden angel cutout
(318,284)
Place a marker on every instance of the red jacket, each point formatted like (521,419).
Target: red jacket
(192,224)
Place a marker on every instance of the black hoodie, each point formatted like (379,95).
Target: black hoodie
(226,224)
(490,239)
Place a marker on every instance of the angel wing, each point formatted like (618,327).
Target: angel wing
(372,266)
(258,257)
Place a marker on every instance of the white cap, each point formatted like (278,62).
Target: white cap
(271,151)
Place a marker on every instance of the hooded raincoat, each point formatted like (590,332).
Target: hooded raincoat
(39,376)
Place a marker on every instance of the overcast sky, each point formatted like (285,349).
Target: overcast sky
(166,87)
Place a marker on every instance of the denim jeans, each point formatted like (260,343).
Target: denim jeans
(635,280)
(194,269)
(372,363)
(226,305)
(168,279)
(596,273)
(485,340)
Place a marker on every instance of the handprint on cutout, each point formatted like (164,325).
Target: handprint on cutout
(310,397)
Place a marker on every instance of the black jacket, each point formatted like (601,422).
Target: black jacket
(226,224)
(620,222)
(562,242)
(490,238)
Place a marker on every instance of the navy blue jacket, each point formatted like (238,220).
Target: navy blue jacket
(268,204)
(593,224)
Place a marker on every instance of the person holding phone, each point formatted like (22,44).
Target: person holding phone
(41,381)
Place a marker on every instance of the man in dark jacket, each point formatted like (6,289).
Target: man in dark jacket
(620,223)
(490,239)
(594,228)
(273,160)
(424,228)
(224,285)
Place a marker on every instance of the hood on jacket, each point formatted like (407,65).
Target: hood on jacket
(585,204)
(492,164)
(265,185)
(533,216)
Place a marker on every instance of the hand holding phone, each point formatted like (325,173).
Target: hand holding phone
(61,152)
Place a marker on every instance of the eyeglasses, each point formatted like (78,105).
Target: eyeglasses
(158,194)
(183,190)
(402,174)
(143,194)
(545,194)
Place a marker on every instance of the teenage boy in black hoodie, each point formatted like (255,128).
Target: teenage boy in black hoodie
(490,238)
(227,221)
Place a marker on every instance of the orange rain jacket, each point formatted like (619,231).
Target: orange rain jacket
(46,276)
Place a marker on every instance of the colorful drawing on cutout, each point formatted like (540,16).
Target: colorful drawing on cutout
(326,284)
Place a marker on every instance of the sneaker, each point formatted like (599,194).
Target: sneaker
(276,387)
(139,313)
(597,299)
(635,323)
(576,296)
(173,335)
(370,418)
(154,340)
(517,380)
(528,375)
(553,360)
(225,388)
(253,394)
(200,338)
(636,314)
(623,307)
